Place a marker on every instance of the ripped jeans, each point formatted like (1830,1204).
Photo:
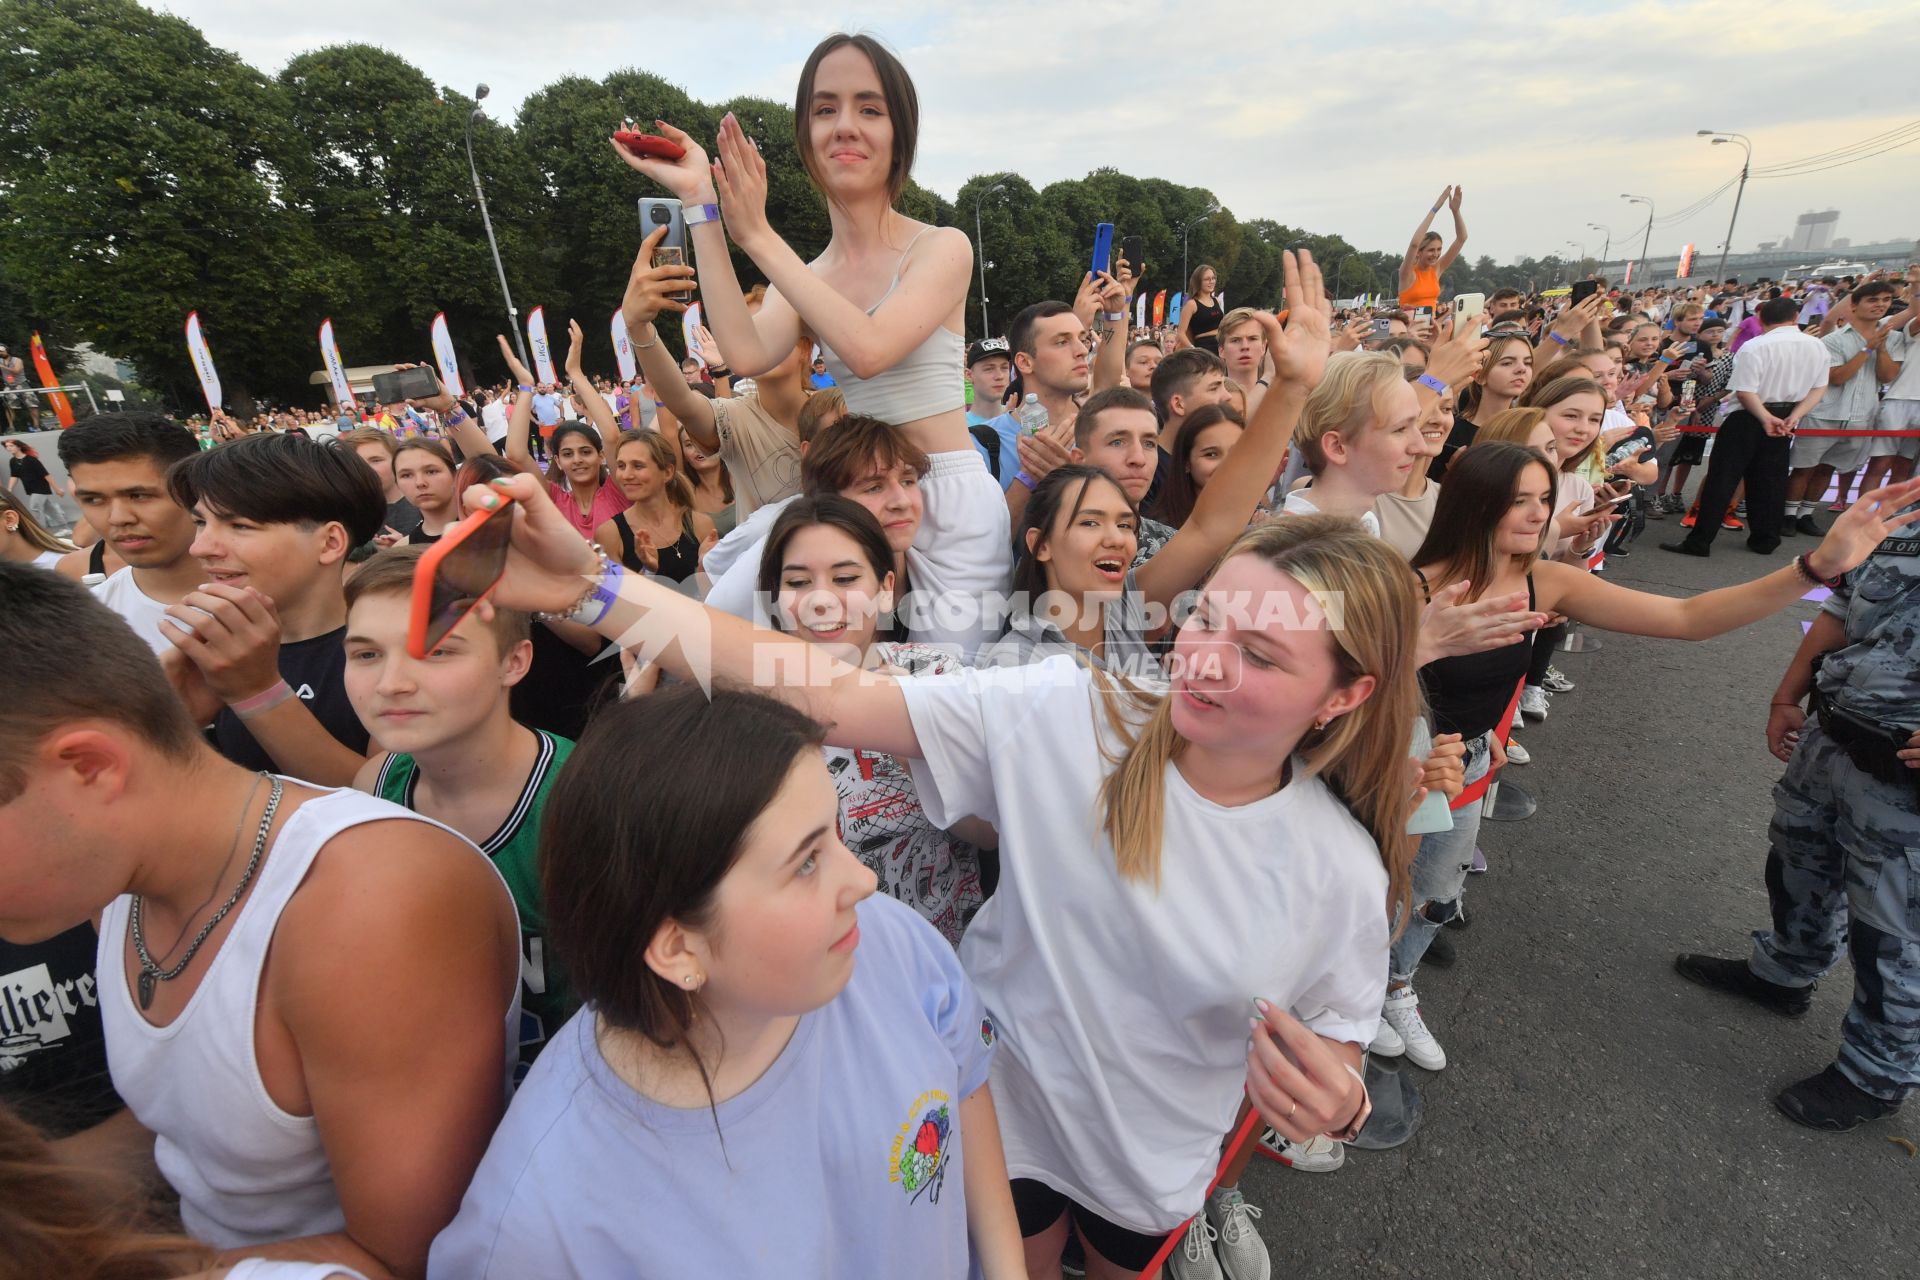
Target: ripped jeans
(1440,871)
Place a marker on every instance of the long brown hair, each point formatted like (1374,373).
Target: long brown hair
(1481,483)
(896,87)
(1545,395)
(30,529)
(57,1221)
(1361,756)
(1469,398)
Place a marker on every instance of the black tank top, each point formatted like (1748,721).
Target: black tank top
(1204,332)
(677,562)
(1470,693)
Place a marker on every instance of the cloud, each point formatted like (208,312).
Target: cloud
(1342,118)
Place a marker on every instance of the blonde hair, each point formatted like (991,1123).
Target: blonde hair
(1511,426)
(1344,401)
(30,529)
(1361,756)
(1234,319)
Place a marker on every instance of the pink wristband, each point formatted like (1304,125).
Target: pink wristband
(266,700)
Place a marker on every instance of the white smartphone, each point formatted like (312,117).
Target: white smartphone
(1468,308)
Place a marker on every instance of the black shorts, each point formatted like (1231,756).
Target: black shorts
(1690,451)
(1040,1206)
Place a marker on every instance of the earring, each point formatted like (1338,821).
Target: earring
(692,981)
(1320,726)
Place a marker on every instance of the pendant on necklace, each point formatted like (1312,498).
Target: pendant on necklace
(146,989)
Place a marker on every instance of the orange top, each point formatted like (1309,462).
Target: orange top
(1425,291)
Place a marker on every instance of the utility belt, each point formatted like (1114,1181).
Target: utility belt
(1871,745)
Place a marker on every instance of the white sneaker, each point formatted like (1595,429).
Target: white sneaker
(1194,1259)
(1517,754)
(1241,1251)
(1322,1155)
(1403,1011)
(1533,702)
(1387,1042)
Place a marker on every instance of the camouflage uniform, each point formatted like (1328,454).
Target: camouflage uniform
(1845,858)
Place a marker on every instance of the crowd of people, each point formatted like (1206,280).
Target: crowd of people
(904,802)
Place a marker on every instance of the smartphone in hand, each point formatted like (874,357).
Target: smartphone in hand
(1103,248)
(456,573)
(657,212)
(649,144)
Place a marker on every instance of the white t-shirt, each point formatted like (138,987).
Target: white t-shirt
(269,1269)
(1123,1009)
(48,560)
(123,595)
(493,420)
(1300,503)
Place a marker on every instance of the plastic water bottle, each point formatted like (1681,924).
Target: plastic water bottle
(1033,415)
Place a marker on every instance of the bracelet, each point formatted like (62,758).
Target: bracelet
(264,701)
(1556,337)
(1669,360)
(455,418)
(642,346)
(1806,570)
(1432,384)
(1027,480)
(695,214)
(526,389)
(720,371)
(599,596)
(1113,317)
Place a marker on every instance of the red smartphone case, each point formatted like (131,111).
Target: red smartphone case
(420,616)
(649,144)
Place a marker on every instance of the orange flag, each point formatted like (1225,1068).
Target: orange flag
(61,409)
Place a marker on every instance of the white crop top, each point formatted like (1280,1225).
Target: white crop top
(925,381)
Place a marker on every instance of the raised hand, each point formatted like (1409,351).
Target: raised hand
(1864,526)
(709,347)
(1458,359)
(1453,200)
(576,343)
(741,179)
(521,377)
(689,177)
(1299,349)
(650,288)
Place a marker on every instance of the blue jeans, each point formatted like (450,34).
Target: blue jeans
(1440,871)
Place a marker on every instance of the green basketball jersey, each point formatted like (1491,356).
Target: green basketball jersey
(545,999)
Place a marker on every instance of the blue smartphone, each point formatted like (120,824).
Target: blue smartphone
(1103,248)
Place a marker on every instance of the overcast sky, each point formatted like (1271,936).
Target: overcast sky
(1343,118)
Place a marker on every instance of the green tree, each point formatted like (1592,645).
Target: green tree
(144,174)
(389,193)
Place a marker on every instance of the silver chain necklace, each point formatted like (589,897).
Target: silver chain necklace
(150,972)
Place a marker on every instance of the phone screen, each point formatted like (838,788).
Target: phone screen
(466,572)
(1581,291)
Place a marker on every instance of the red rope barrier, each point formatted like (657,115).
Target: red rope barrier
(1811,431)
(1240,1139)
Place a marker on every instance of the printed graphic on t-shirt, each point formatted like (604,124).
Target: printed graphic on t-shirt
(919,1162)
(34,1009)
(882,822)
(986,1032)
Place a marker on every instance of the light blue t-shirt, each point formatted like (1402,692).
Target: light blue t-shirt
(844,1159)
(1008,429)
(546,409)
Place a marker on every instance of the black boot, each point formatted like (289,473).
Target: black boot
(1735,978)
(1832,1102)
(1687,549)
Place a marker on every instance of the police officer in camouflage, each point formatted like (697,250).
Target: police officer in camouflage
(1844,864)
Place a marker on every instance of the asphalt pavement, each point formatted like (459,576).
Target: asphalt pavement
(1598,1115)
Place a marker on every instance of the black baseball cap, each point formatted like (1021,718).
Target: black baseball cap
(989,349)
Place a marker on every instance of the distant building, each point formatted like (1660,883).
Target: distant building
(1813,232)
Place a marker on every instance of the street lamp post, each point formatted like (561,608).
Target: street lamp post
(1647,240)
(1581,250)
(1606,251)
(1187,230)
(1719,137)
(980,249)
(513,316)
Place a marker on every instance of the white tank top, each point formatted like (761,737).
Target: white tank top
(247,1172)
